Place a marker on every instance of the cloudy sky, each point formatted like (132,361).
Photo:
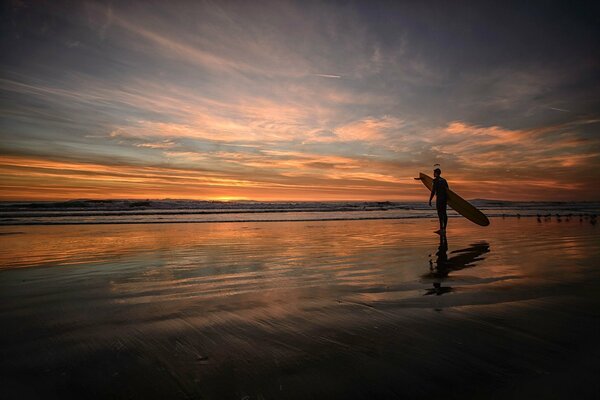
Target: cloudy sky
(299,100)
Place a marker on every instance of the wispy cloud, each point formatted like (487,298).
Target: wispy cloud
(328,76)
(559,109)
(165,144)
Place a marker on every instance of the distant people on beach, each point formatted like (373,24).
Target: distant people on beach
(440,191)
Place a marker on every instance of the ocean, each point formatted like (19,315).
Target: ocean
(180,211)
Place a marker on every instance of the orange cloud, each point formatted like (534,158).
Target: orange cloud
(36,178)
(495,147)
(369,129)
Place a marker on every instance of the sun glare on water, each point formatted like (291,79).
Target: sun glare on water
(228,198)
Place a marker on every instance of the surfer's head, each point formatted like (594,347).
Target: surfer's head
(437,172)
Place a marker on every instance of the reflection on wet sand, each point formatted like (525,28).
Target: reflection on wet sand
(442,266)
(298,310)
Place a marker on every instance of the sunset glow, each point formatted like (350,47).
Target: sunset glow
(296,101)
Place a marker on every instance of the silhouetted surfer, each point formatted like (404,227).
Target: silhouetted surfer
(440,191)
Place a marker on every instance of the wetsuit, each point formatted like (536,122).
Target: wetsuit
(440,190)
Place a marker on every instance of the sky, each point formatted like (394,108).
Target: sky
(307,100)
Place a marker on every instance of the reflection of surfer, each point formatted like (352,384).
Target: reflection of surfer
(458,259)
(440,191)
(441,268)
(442,265)
(442,253)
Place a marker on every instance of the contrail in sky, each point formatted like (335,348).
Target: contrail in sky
(559,109)
(328,76)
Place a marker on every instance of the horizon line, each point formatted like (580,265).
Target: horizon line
(277,201)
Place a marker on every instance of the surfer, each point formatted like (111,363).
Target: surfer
(440,191)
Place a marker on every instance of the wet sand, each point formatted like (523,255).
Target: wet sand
(295,310)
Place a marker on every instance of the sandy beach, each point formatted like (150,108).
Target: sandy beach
(318,309)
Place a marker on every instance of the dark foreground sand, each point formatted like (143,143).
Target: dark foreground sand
(345,309)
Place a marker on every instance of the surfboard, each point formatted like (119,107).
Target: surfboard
(458,204)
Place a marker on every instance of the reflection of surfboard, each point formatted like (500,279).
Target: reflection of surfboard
(458,204)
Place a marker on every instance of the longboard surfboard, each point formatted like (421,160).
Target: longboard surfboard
(458,204)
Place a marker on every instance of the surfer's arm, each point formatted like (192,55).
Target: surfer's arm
(432,194)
